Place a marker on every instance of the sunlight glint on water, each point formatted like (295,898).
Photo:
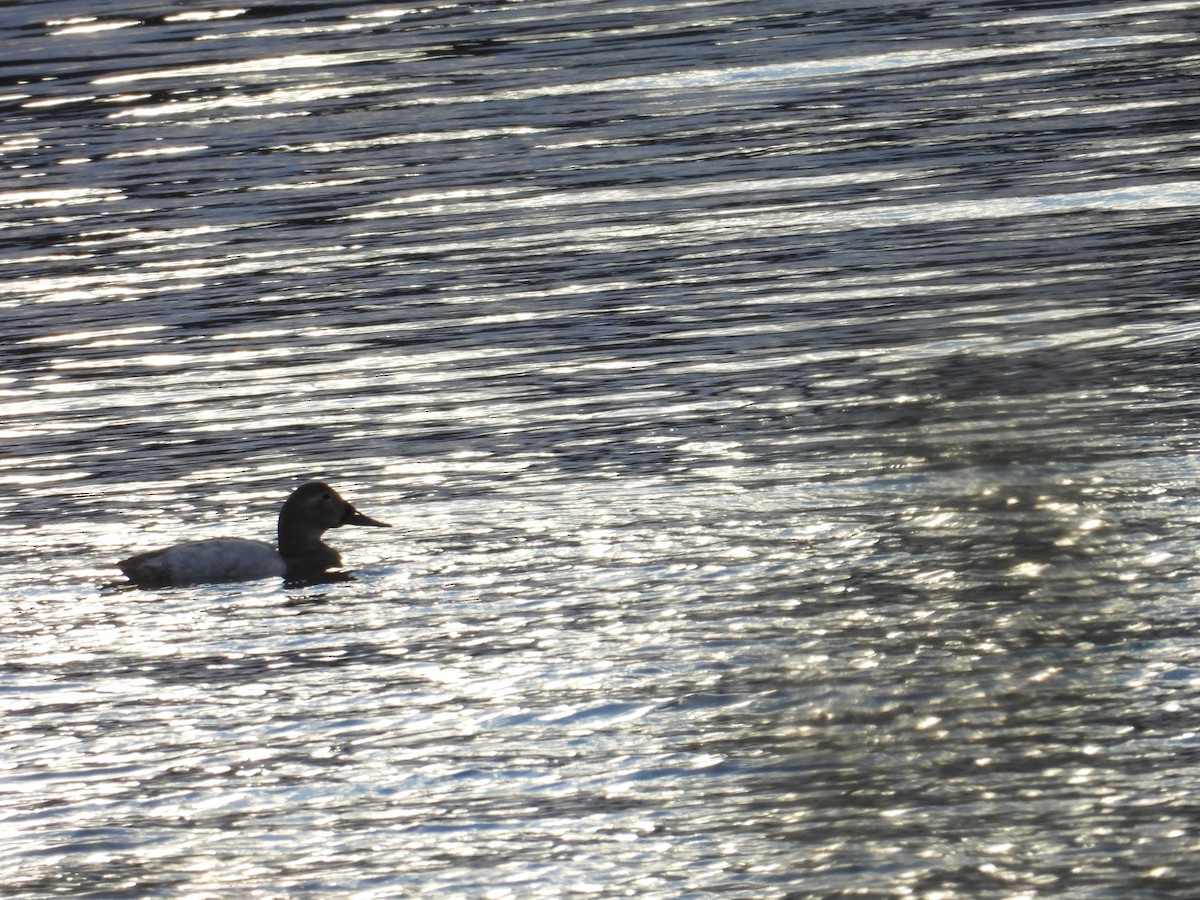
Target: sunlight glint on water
(788,418)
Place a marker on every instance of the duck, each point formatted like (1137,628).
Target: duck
(310,511)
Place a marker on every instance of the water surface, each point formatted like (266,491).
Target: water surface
(788,415)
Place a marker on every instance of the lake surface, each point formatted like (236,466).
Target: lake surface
(789,414)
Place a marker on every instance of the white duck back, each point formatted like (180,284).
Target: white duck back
(198,562)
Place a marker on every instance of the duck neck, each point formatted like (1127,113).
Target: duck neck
(304,551)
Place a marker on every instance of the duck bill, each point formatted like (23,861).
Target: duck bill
(353,517)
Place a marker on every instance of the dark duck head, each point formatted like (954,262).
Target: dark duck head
(307,514)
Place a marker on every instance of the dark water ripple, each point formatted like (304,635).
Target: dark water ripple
(790,415)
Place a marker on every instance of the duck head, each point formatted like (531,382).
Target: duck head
(313,509)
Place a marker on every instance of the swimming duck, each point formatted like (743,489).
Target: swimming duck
(309,512)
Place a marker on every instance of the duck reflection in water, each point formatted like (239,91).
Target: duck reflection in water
(302,555)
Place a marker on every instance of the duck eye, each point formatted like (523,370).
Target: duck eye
(327,496)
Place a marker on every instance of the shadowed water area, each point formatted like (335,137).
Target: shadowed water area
(787,414)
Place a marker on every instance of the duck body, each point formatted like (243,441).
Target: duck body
(308,513)
(200,562)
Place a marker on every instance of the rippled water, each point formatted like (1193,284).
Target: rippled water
(790,415)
